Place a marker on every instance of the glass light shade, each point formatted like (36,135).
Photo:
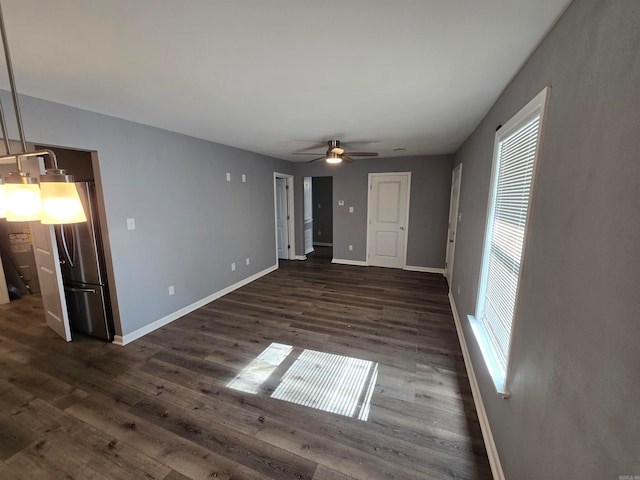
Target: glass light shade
(23,202)
(60,203)
(333,158)
(3,200)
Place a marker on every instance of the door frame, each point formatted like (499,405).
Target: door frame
(307,207)
(290,221)
(406,229)
(106,247)
(451,243)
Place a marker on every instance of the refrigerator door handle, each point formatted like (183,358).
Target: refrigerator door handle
(80,290)
(64,244)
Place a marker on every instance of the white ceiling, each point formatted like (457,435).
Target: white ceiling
(273,76)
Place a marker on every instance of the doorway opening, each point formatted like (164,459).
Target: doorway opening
(322,199)
(318,226)
(32,255)
(284,218)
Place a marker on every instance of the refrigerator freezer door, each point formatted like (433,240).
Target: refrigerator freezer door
(79,243)
(87,310)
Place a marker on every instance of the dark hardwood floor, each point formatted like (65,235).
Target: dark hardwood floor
(160,408)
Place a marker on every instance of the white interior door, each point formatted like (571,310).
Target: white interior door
(456,177)
(48,265)
(282,225)
(388,219)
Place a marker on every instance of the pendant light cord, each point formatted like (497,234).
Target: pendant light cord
(5,133)
(12,83)
(16,106)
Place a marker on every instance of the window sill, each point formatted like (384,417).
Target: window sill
(495,370)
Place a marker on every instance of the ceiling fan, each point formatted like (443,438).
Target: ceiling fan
(336,154)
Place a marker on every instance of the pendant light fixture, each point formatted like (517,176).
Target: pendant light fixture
(56,199)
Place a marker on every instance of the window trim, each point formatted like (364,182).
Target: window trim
(538,105)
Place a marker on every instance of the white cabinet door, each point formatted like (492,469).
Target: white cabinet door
(50,278)
(48,265)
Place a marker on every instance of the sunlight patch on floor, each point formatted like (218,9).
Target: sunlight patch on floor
(251,378)
(320,380)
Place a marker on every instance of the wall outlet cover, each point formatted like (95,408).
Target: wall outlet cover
(228,177)
(131,224)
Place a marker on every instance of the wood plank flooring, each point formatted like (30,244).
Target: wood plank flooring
(159,408)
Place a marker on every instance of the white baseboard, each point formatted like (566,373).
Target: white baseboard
(342,261)
(489,443)
(130,337)
(361,263)
(424,269)
(300,257)
(323,244)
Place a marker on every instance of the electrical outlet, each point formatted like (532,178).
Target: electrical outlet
(244,178)
(341,203)
(350,247)
(131,224)
(228,177)
(350,209)
(233,267)
(248,260)
(171,290)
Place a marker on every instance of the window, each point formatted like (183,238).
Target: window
(515,152)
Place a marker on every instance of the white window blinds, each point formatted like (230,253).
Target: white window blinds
(515,161)
(512,178)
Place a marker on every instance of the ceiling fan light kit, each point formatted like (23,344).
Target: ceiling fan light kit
(333,157)
(336,154)
(56,199)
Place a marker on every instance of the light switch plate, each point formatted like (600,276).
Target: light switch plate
(131,224)
(350,209)
(228,177)
(244,178)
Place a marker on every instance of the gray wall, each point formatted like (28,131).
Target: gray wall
(322,188)
(428,210)
(190,222)
(576,365)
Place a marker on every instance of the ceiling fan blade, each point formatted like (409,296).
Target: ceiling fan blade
(316,159)
(362,154)
(306,153)
(346,158)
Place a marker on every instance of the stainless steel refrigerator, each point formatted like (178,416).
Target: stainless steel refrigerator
(83,270)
